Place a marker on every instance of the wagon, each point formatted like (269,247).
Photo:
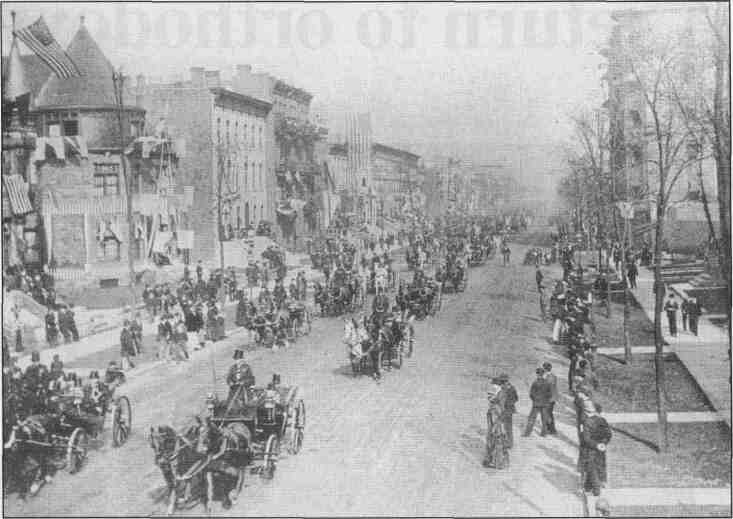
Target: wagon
(61,435)
(273,416)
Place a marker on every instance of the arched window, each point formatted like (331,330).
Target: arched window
(218,130)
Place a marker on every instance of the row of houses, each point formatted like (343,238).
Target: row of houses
(209,158)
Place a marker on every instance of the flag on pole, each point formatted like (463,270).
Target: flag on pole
(39,39)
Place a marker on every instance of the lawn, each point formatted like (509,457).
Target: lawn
(699,454)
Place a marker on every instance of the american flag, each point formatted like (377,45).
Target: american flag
(17,192)
(39,39)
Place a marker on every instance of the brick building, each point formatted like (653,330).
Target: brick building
(225,132)
(298,186)
(394,175)
(79,176)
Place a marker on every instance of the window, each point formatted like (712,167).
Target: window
(245,174)
(363,181)
(635,118)
(260,137)
(218,130)
(253,176)
(71,128)
(244,135)
(253,136)
(107,179)
(227,132)
(262,187)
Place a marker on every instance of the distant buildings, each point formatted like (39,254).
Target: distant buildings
(394,174)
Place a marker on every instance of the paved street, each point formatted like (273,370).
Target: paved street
(410,445)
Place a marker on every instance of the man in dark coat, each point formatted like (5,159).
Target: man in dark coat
(510,407)
(541,395)
(127,346)
(594,438)
(552,380)
(671,306)
(694,310)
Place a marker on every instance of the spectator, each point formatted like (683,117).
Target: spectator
(594,438)
(127,347)
(694,310)
(671,306)
(541,394)
(631,273)
(552,381)
(52,332)
(510,407)
(684,310)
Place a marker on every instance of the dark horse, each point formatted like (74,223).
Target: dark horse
(190,460)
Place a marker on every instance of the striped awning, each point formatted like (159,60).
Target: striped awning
(17,195)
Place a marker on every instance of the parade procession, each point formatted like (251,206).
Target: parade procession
(298,260)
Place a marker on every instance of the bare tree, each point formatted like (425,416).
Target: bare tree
(653,60)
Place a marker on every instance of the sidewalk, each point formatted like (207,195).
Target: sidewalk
(704,356)
(110,338)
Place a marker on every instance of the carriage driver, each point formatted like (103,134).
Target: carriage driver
(240,374)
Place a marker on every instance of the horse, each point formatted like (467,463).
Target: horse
(227,452)
(29,462)
(175,456)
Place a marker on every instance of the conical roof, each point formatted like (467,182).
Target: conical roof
(94,89)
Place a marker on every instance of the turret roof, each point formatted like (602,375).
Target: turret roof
(94,89)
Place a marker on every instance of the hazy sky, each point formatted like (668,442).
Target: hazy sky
(484,82)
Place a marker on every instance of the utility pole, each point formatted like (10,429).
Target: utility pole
(118,81)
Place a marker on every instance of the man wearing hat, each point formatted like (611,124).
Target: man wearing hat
(541,394)
(127,346)
(671,307)
(552,381)
(240,377)
(594,438)
(36,374)
(510,407)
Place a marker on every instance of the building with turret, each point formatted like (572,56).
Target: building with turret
(86,127)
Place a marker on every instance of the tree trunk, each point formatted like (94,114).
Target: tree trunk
(721,120)
(662,438)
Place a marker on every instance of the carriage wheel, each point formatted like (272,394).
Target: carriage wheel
(121,421)
(270,455)
(296,439)
(76,450)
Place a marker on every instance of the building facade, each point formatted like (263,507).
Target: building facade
(633,145)
(394,174)
(224,138)
(79,177)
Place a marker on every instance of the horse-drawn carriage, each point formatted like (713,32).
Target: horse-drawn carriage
(250,426)
(378,344)
(59,436)
(340,297)
(455,278)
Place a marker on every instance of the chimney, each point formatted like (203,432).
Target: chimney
(197,77)
(213,79)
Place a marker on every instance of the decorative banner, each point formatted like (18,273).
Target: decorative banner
(185,239)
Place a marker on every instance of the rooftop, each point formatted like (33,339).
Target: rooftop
(94,89)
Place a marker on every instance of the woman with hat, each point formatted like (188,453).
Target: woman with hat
(497,455)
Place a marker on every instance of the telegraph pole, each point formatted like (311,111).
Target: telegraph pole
(118,81)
